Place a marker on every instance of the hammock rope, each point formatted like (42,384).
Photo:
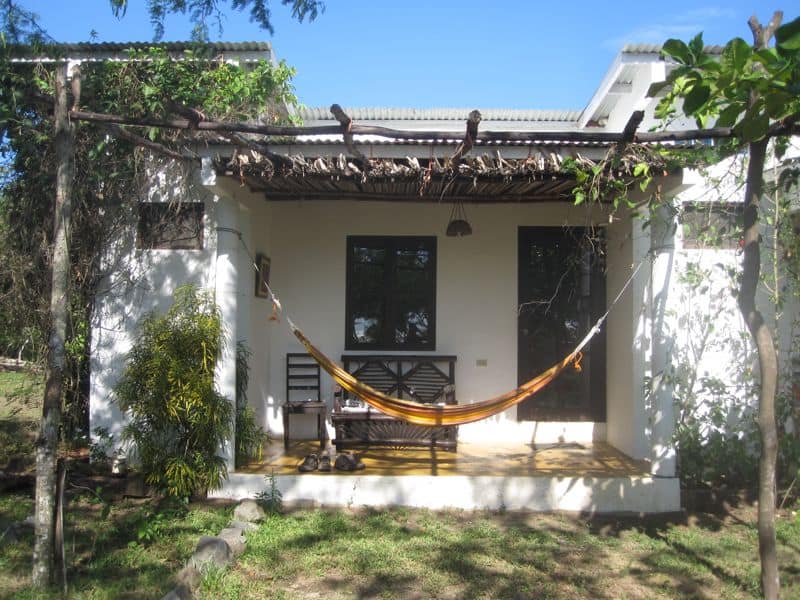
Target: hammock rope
(433,415)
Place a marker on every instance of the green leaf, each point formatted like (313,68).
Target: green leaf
(736,54)
(778,105)
(696,47)
(678,50)
(787,36)
(754,126)
(696,98)
(640,169)
(729,116)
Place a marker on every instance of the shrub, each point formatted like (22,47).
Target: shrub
(178,420)
(250,438)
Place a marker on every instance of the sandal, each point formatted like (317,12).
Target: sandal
(310,463)
(343,463)
(355,460)
(324,463)
(348,462)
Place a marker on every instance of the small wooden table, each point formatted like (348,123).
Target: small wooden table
(305,407)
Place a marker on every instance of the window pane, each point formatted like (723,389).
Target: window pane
(391,292)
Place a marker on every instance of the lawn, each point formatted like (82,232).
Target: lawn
(403,553)
(131,549)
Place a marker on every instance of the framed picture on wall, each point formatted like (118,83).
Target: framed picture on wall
(262,275)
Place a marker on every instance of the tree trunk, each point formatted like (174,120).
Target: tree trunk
(765,346)
(768,365)
(47,442)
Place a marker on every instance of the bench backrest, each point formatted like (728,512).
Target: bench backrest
(422,378)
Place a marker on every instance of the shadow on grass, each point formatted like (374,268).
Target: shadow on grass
(417,553)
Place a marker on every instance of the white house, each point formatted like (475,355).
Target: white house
(506,301)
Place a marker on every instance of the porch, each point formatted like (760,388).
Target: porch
(582,477)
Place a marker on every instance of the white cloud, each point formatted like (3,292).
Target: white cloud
(684,25)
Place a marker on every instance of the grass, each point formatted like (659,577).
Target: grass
(128,549)
(403,553)
(132,549)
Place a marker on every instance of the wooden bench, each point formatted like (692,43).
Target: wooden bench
(428,379)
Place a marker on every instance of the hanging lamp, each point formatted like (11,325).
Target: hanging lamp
(458,225)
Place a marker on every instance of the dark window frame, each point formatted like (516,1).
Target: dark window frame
(157,228)
(697,220)
(390,243)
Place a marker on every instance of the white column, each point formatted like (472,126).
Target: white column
(226,295)
(662,416)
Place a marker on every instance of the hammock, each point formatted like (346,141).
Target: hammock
(430,414)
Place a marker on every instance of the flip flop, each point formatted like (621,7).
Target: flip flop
(310,463)
(324,463)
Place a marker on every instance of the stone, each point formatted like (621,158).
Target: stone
(211,551)
(188,577)
(234,537)
(244,525)
(249,511)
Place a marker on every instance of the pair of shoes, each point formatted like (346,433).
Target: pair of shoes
(310,463)
(348,462)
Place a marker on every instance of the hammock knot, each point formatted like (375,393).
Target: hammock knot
(577,362)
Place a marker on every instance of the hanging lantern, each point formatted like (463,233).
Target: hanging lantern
(458,225)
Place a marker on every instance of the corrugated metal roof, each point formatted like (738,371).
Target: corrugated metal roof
(440,114)
(73,49)
(656,49)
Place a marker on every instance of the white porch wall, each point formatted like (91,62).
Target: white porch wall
(476,315)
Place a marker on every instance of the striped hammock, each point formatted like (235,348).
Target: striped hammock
(430,414)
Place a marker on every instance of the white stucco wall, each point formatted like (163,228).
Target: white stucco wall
(139,282)
(476,297)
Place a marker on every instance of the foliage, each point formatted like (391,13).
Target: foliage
(720,89)
(109,174)
(201,10)
(271,498)
(250,438)
(178,420)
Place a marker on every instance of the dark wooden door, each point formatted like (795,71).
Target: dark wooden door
(561,295)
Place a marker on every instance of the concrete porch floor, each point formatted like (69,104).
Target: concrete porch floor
(471,459)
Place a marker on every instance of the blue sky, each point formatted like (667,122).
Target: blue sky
(439,53)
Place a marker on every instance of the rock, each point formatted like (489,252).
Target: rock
(249,511)
(211,550)
(244,525)
(189,577)
(234,537)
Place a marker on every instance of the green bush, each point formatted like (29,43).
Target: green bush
(250,438)
(178,420)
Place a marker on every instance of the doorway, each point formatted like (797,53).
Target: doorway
(562,293)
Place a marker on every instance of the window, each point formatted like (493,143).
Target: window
(711,225)
(170,226)
(391,293)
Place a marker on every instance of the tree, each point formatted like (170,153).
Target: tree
(755,89)
(20,112)
(201,10)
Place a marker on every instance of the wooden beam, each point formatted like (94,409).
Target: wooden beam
(790,128)
(469,137)
(629,131)
(347,135)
